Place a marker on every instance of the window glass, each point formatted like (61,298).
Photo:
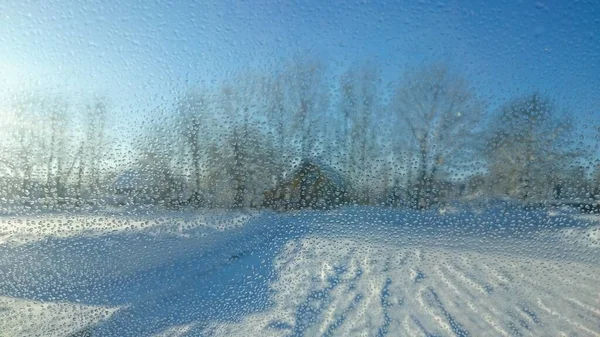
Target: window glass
(299,168)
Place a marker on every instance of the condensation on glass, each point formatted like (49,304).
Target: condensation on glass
(276,168)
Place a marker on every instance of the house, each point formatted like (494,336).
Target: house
(310,186)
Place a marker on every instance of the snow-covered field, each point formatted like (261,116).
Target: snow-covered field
(370,289)
(20,317)
(31,228)
(349,272)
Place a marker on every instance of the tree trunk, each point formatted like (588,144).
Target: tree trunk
(421,195)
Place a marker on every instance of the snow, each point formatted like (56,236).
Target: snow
(19,317)
(359,288)
(31,228)
(586,236)
(176,331)
(349,272)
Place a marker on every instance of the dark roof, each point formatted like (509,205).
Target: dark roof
(332,174)
(310,186)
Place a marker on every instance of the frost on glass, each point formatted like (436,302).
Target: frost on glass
(275,169)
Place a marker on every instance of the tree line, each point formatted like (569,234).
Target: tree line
(426,139)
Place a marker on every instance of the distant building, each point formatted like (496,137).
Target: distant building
(310,186)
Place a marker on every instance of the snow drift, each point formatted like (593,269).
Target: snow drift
(349,272)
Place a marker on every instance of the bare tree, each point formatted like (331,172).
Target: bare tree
(52,155)
(528,146)
(595,182)
(161,155)
(39,143)
(95,145)
(56,148)
(308,97)
(441,115)
(26,142)
(359,105)
(246,147)
(278,116)
(192,109)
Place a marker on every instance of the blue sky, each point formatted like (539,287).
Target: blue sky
(141,54)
